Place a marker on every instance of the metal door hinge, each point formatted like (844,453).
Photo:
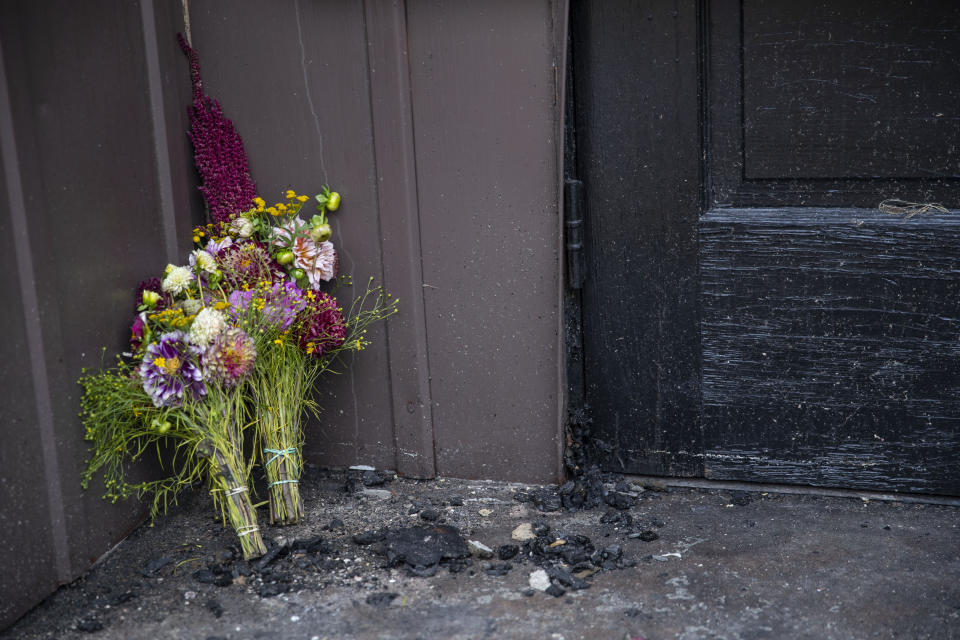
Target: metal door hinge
(573,221)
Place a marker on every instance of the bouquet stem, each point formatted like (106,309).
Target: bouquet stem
(220,419)
(282,389)
(286,507)
(237,505)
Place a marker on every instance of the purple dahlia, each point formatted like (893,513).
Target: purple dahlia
(248,263)
(230,357)
(322,328)
(278,304)
(171,368)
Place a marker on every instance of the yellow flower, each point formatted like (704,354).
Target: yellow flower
(281,206)
(272,211)
(291,194)
(302,198)
(260,202)
(311,348)
(278,341)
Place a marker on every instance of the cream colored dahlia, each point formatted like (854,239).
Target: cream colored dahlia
(208,324)
(177,279)
(203,260)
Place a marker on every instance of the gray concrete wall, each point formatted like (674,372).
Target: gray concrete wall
(439,124)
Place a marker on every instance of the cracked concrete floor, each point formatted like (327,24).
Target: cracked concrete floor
(763,565)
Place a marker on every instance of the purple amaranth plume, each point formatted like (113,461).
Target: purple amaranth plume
(218,151)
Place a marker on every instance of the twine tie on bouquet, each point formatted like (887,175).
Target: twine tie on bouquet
(282,453)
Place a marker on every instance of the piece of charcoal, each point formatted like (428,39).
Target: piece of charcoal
(124,597)
(372,479)
(89,625)
(155,564)
(368,537)
(424,546)
(215,608)
(419,571)
(381,599)
(271,555)
(498,569)
(507,551)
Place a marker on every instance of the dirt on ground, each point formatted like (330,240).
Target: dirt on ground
(382,557)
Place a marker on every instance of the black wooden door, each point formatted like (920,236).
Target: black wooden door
(749,313)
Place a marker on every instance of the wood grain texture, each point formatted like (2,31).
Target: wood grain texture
(400,235)
(485,115)
(830,351)
(638,150)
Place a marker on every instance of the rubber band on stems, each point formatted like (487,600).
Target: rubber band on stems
(283,482)
(235,491)
(245,531)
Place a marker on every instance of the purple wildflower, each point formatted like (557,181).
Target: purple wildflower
(322,328)
(218,151)
(170,369)
(230,357)
(137,331)
(278,304)
(214,247)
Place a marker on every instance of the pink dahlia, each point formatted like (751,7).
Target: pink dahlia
(230,357)
(318,259)
(321,328)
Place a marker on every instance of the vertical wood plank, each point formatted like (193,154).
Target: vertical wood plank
(78,102)
(34,546)
(300,99)
(638,142)
(389,76)
(484,106)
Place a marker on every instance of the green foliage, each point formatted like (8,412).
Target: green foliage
(122,425)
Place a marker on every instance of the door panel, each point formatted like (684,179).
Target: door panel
(749,314)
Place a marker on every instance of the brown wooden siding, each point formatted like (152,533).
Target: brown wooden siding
(437,121)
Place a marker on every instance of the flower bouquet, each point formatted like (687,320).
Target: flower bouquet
(228,348)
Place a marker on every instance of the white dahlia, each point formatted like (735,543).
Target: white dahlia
(176,280)
(208,324)
(203,260)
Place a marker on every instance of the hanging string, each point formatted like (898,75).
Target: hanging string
(907,209)
(186,21)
